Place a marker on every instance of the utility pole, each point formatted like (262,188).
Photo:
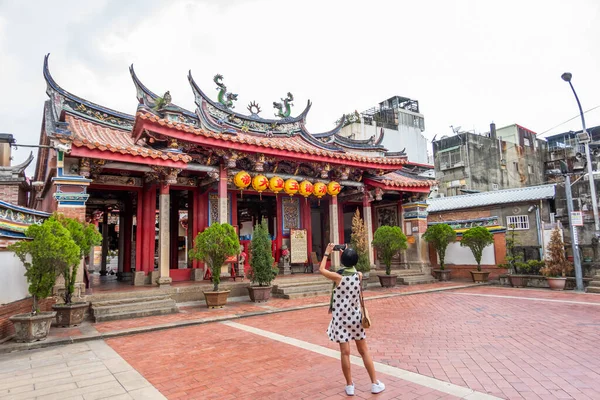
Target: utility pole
(574,238)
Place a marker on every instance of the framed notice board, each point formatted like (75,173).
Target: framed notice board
(298,246)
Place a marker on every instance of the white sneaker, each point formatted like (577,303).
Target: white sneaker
(377,387)
(350,389)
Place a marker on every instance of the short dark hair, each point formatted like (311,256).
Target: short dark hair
(349,257)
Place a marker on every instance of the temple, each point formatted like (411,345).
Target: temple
(153,180)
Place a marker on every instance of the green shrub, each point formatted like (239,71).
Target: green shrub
(261,261)
(440,236)
(85,236)
(389,240)
(477,239)
(50,249)
(213,246)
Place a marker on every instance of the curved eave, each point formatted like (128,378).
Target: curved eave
(400,188)
(52,83)
(326,146)
(199,93)
(357,144)
(380,139)
(19,168)
(25,210)
(330,133)
(144,89)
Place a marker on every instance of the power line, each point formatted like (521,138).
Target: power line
(569,120)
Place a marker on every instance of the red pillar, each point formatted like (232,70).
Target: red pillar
(191,222)
(128,225)
(278,229)
(223,209)
(139,230)
(149,231)
(174,230)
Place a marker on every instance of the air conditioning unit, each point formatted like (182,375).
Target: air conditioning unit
(459,164)
(443,166)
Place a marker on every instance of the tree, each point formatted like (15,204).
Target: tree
(50,249)
(389,240)
(213,246)
(556,261)
(477,239)
(261,262)
(440,236)
(358,239)
(85,236)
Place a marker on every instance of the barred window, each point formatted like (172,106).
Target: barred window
(518,222)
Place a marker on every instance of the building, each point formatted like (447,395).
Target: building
(153,180)
(524,209)
(396,125)
(509,157)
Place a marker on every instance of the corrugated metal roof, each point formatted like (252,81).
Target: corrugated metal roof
(506,196)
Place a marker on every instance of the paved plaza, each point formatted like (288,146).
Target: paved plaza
(476,343)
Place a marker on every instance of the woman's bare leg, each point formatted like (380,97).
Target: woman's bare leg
(345,352)
(363,350)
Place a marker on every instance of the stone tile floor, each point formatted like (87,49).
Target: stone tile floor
(480,342)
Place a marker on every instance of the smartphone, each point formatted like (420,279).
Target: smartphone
(339,247)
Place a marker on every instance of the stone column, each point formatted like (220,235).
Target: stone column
(334,231)
(164,242)
(418,252)
(127,239)
(223,209)
(121,258)
(368,218)
(104,243)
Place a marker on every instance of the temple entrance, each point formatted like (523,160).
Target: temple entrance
(251,209)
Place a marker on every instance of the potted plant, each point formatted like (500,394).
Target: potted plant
(48,245)
(261,264)
(557,266)
(477,239)
(85,236)
(359,243)
(213,247)
(440,236)
(388,240)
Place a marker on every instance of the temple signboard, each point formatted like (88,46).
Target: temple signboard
(299,246)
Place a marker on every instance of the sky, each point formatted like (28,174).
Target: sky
(468,63)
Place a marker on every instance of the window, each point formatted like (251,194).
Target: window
(517,222)
(530,169)
(516,165)
(527,142)
(450,158)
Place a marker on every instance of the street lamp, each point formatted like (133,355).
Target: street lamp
(585,139)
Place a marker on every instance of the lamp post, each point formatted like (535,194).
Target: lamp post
(584,138)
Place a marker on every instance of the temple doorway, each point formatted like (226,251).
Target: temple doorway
(251,209)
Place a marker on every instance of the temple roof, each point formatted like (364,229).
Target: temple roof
(294,144)
(100,128)
(403,179)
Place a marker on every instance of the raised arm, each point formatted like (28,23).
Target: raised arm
(328,274)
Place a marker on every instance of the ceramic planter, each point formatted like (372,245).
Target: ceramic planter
(365,281)
(31,328)
(216,299)
(70,314)
(387,280)
(442,275)
(518,280)
(556,283)
(259,294)
(480,276)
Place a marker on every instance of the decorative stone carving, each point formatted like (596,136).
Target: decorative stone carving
(325,171)
(114,180)
(84,167)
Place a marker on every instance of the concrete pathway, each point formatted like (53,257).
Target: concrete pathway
(85,371)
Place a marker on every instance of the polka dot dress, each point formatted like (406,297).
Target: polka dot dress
(346,317)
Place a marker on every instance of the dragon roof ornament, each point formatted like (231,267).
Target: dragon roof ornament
(225,98)
(284,109)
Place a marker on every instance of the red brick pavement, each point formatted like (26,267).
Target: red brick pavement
(510,348)
(219,362)
(243,308)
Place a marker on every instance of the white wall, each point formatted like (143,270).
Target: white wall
(456,254)
(13,285)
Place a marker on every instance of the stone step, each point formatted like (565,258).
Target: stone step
(416,280)
(594,283)
(132,307)
(303,288)
(135,314)
(298,284)
(129,300)
(298,295)
(133,294)
(593,289)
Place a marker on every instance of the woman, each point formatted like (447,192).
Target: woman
(346,316)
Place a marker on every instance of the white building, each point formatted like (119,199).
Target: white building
(395,124)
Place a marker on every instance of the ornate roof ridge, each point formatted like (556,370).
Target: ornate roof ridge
(199,93)
(19,168)
(98,112)
(331,132)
